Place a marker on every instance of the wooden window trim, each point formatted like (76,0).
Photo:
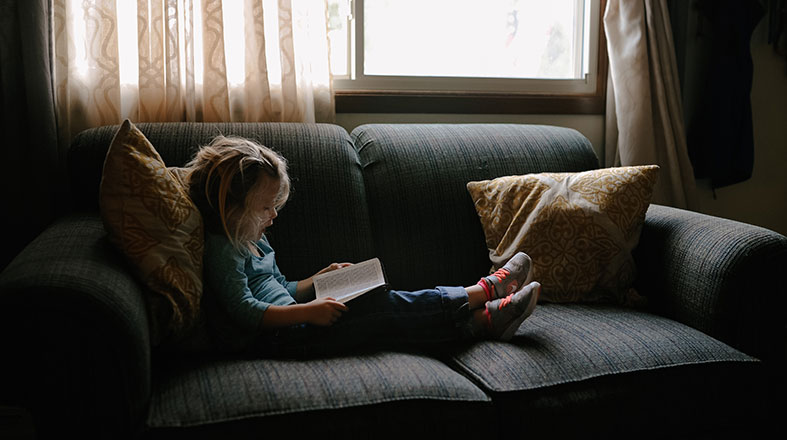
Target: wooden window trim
(395,101)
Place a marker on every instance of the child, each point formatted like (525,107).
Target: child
(239,186)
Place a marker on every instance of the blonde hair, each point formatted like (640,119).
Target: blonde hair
(223,174)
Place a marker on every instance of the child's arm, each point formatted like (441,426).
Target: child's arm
(250,312)
(308,310)
(225,276)
(318,312)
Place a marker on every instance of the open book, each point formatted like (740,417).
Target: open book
(350,282)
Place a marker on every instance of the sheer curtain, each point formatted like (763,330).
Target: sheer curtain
(644,120)
(190,60)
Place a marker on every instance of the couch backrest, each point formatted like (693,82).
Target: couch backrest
(326,218)
(425,227)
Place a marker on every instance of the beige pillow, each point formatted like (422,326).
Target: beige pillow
(579,228)
(150,218)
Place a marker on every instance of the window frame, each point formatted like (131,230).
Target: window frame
(481,102)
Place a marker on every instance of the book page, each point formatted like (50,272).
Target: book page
(350,282)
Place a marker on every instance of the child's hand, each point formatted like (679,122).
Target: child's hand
(304,291)
(324,311)
(334,266)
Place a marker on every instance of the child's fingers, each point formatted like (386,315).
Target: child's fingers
(336,304)
(334,266)
(339,306)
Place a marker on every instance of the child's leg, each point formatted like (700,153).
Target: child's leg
(476,296)
(422,318)
(425,317)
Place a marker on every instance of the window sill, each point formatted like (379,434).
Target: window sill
(468,102)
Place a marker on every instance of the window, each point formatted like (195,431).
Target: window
(481,56)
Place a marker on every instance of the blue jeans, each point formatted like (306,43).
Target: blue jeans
(380,318)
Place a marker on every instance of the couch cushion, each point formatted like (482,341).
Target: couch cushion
(570,343)
(242,391)
(425,227)
(591,359)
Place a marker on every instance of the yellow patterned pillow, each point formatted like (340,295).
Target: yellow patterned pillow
(579,228)
(150,218)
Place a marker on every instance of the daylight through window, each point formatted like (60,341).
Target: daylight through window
(486,45)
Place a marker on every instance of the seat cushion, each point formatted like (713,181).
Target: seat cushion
(210,394)
(592,360)
(570,343)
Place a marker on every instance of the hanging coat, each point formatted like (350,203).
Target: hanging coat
(719,133)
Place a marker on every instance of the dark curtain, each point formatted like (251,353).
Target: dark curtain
(777,27)
(30,163)
(712,39)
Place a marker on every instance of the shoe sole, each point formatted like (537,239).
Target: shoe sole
(529,277)
(510,331)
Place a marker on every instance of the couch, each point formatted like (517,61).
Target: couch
(704,358)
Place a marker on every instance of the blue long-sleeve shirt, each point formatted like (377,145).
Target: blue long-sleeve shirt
(244,285)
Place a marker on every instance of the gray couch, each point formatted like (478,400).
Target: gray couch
(705,359)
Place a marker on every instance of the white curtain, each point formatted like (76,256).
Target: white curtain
(190,60)
(644,120)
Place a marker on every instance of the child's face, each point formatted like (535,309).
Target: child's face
(262,207)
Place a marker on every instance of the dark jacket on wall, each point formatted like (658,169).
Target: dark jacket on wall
(712,41)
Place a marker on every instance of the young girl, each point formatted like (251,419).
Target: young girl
(239,186)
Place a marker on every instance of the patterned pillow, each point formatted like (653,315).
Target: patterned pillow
(579,228)
(150,218)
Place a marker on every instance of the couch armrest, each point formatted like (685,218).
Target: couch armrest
(722,277)
(74,333)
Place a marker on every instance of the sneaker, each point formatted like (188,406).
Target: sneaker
(517,272)
(505,315)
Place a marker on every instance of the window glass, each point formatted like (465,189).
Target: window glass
(506,39)
(471,38)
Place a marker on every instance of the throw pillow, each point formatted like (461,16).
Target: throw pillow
(150,218)
(578,228)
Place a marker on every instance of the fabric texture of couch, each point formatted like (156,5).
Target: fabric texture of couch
(705,357)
